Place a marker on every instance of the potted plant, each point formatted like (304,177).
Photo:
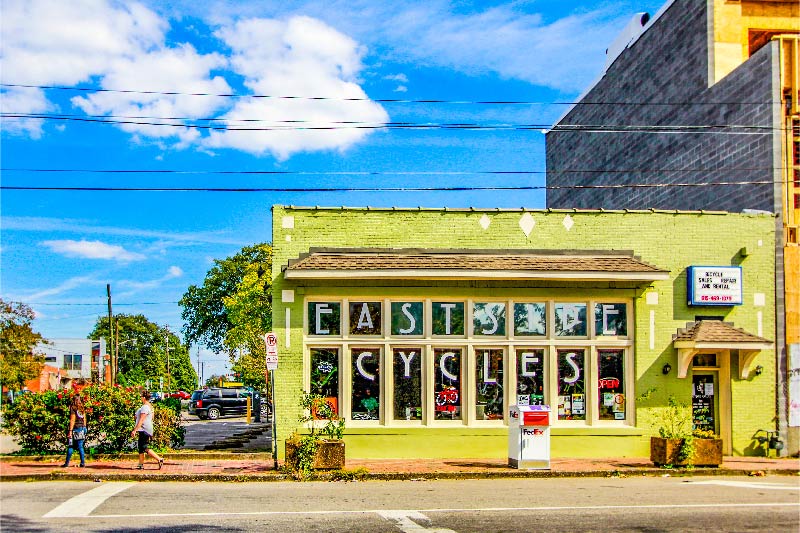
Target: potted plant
(678,444)
(322,448)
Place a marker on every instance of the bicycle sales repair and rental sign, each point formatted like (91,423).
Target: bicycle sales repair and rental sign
(715,285)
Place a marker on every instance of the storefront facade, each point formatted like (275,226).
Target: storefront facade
(423,326)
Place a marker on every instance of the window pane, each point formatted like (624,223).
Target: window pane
(365,318)
(448,318)
(325,374)
(530,319)
(611,319)
(611,384)
(570,320)
(530,377)
(324,318)
(489,380)
(571,385)
(489,319)
(407,318)
(447,383)
(366,383)
(407,366)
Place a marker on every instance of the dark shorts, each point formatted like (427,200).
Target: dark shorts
(144,442)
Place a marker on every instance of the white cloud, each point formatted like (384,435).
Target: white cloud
(72,283)
(136,286)
(168,238)
(300,57)
(92,250)
(179,69)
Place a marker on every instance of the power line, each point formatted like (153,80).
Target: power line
(717,129)
(376,172)
(366,99)
(380,189)
(98,304)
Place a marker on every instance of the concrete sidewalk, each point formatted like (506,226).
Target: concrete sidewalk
(260,467)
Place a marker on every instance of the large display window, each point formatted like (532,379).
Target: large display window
(429,361)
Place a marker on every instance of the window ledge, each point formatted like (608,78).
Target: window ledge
(610,431)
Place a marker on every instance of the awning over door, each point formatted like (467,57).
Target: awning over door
(473,264)
(710,335)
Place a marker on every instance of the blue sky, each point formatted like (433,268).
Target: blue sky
(61,248)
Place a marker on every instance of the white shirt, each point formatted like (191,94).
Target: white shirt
(147,424)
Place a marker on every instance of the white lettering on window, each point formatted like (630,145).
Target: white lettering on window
(447,308)
(486,378)
(528,358)
(407,360)
(608,310)
(570,361)
(495,324)
(445,373)
(364,319)
(411,319)
(360,368)
(321,309)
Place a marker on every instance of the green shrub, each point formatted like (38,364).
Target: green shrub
(167,428)
(39,421)
(172,403)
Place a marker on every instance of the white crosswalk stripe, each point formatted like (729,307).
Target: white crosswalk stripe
(748,484)
(403,521)
(83,504)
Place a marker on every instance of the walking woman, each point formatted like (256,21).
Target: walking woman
(76,433)
(144,429)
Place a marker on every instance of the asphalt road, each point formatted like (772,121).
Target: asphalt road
(592,504)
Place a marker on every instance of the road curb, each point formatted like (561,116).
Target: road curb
(355,475)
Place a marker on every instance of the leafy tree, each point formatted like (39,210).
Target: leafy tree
(232,310)
(18,362)
(143,353)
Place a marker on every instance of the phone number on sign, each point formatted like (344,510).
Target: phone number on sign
(716,298)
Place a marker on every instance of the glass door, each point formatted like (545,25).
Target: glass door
(704,402)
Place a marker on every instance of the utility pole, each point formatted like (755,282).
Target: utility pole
(169,380)
(199,382)
(111,335)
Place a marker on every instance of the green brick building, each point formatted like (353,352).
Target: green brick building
(423,326)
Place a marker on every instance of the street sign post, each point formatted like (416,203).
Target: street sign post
(271,342)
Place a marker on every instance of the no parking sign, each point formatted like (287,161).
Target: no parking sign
(271,340)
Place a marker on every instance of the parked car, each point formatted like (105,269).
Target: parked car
(155,396)
(181,395)
(217,401)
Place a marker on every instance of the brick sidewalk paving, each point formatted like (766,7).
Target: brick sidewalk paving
(260,467)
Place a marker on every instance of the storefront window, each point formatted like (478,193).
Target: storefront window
(530,377)
(489,381)
(324,318)
(489,319)
(530,319)
(570,320)
(407,318)
(611,384)
(366,383)
(448,318)
(611,319)
(325,374)
(571,385)
(447,383)
(407,367)
(365,318)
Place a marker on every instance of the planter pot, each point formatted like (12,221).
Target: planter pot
(329,455)
(707,452)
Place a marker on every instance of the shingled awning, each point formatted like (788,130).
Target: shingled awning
(460,265)
(710,335)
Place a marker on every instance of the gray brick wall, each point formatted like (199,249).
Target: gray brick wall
(668,64)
